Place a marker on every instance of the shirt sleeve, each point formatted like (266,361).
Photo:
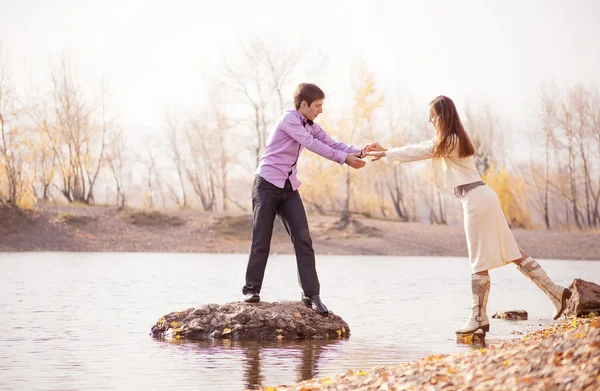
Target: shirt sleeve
(325,139)
(411,153)
(292,126)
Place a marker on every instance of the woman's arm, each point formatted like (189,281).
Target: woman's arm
(407,153)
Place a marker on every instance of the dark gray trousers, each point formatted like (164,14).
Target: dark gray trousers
(269,201)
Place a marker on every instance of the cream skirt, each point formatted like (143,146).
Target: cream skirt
(490,242)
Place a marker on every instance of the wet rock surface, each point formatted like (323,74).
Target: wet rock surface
(250,321)
(585,298)
(511,315)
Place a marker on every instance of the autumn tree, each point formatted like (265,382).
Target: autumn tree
(71,122)
(360,126)
(16,179)
(510,191)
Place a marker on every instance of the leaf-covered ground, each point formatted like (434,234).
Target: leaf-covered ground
(562,357)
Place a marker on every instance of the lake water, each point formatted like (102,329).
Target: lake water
(81,321)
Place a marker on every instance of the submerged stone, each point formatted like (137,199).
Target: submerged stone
(511,315)
(250,321)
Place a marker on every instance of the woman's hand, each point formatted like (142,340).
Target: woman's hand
(376,155)
(373,147)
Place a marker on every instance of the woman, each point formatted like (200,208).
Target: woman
(489,239)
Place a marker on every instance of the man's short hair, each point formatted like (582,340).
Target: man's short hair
(307,92)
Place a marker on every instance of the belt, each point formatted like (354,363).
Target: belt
(461,190)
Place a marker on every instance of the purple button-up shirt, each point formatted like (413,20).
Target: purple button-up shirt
(292,134)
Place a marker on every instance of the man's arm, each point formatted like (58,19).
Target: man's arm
(292,126)
(325,139)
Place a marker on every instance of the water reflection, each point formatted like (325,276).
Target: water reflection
(261,356)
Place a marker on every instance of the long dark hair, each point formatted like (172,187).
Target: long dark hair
(450,129)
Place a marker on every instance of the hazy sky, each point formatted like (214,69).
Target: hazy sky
(155,53)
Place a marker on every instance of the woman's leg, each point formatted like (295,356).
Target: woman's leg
(480,288)
(556,293)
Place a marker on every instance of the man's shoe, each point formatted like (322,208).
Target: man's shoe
(316,304)
(251,298)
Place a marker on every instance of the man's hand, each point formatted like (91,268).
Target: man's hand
(354,162)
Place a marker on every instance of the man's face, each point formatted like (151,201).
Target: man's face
(311,112)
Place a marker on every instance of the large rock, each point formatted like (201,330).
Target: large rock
(585,298)
(245,321)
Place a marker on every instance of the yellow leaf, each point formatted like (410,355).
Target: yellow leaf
(505,363)
(271,389)
(451,370)
(360,373)
(226,330)
(161,320)
(177,330)
(343,330)
(339,332)
(174,324)
(279,330)
(327,381)
(178,336)
(483,350)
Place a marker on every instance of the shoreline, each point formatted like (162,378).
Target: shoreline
(109,229)
(565,356)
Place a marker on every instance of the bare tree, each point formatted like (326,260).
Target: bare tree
(10,138)
(178,159)
(481,124)
(262,79)
(547,117)
(116,159)
(76,138)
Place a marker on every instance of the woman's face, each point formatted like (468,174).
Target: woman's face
(433,118)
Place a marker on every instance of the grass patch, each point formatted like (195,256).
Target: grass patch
(151,219)
(76,221)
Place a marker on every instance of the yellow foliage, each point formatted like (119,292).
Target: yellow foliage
(324,182)
(509,189)
(327,381)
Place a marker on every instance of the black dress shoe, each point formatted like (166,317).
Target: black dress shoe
(251,298)
(316,304)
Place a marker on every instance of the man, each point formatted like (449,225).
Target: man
(275,192)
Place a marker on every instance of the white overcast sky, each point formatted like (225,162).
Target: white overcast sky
(157,54)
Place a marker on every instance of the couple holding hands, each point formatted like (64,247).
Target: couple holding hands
(490,242)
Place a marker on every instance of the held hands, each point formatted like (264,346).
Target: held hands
(375,150)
